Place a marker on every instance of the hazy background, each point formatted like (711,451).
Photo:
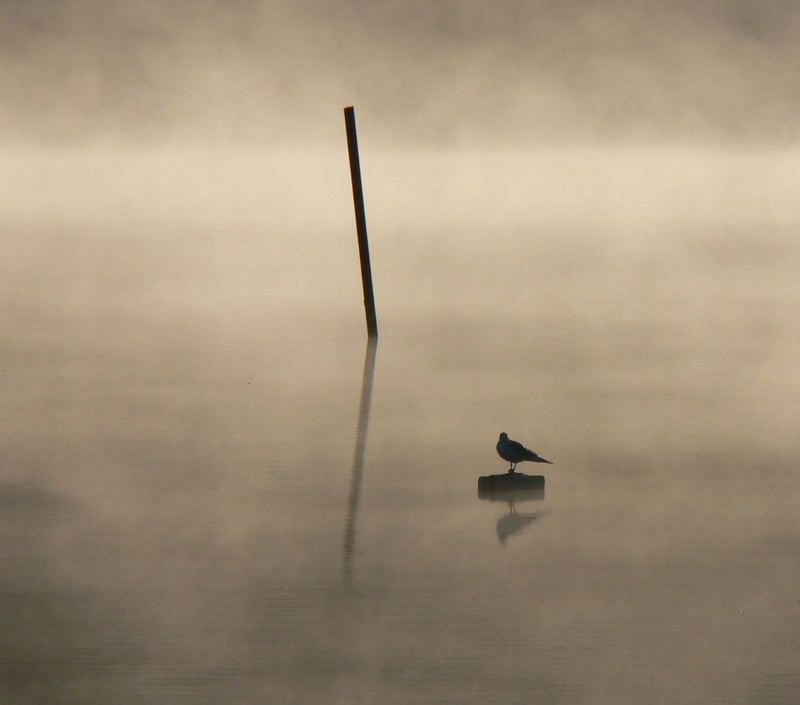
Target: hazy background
(584,231)
(514,73)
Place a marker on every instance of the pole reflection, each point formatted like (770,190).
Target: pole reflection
(358,457)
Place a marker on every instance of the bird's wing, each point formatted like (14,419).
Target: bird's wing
(519,448)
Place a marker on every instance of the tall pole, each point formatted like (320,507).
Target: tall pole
(361,222)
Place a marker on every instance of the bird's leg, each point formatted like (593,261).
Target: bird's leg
(511,469)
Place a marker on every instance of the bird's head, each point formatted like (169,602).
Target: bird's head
(503,436)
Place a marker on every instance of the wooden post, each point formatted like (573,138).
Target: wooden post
(361,222)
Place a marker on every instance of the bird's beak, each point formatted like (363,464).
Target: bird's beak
(542,460)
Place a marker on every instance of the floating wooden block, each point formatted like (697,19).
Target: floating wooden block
(511,486)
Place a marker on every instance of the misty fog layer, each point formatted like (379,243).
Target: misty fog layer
(513,73)
(584,232)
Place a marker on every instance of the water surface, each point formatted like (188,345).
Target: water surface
(193,508)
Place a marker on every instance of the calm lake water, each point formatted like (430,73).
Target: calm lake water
(203,499)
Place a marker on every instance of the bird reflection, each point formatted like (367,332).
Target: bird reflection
(495,488)
(358,456)
(513,522)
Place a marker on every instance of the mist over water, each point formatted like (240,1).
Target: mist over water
(453,73)
(182,384)
(583,225)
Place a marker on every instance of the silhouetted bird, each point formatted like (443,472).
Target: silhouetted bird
(515,452)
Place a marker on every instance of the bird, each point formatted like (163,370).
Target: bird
(515,452)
